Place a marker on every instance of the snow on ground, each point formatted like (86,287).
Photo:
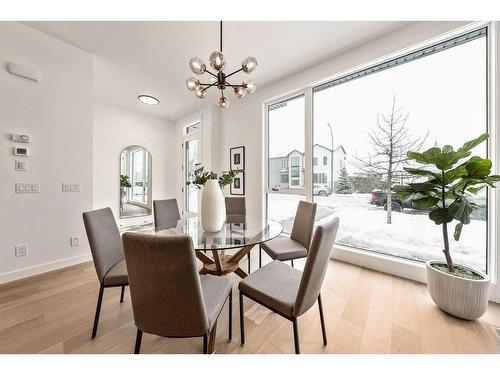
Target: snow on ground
(411,235)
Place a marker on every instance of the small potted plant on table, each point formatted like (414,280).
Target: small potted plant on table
(457,289)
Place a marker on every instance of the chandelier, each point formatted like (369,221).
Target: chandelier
(218,78)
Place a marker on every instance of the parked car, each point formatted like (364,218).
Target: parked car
(322,190)
(379,198)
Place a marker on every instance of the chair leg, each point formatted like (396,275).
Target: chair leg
(122,294)
(248,263)
(296,336)
(97,310)
(242,321)
(211,338)
(292,262)
(260,256)
(138,341)
(205,343)
(322,318)
(230,313)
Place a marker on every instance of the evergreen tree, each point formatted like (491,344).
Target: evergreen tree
(344,185)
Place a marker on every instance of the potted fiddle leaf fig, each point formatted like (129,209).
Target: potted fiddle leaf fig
(452,178)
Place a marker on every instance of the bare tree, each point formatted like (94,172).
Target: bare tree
(391,140)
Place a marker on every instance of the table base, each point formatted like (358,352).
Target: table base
(222,264)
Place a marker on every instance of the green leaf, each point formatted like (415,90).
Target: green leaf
(423,186)
(422,172)
(454,174)
(473,143)
(475,190)
(426,202)
(440,216)
(436,157)
(443,160)
(447,148)
(478,167)
(418,157)
(458,231)
(460,210)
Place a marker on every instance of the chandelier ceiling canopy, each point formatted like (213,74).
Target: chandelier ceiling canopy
(219,78)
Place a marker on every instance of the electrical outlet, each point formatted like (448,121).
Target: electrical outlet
(75,241)
(21,250)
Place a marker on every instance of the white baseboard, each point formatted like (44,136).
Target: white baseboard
(387,264)
(379,262)
(43,268)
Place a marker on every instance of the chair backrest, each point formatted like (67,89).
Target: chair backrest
(104,240)
(316,266)
(236,206)
(303,223)
(165,287)
(166,213)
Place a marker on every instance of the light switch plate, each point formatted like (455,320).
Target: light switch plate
(70,187)
(27,187)
(21,165)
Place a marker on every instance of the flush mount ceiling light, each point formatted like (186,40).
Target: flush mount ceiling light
(148,99)
(219,78)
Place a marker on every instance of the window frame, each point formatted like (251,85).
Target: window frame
(398,266)
(187,137)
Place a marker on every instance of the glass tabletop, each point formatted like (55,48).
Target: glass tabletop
(238,231)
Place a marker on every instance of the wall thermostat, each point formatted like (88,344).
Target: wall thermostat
(24,138)
(21,151)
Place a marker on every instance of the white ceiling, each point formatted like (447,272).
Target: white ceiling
(133,58)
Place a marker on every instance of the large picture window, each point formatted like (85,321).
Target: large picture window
(438,95)
(437,98)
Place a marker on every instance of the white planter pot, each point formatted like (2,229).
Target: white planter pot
(463,298)
(213,207)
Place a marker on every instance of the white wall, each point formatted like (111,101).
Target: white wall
(116,128)
(73,140)
(242,123)
(57,114)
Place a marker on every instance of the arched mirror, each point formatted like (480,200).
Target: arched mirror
(135,182)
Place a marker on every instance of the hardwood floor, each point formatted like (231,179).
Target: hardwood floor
(365,312)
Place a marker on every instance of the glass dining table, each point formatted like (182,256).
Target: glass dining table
(240,234)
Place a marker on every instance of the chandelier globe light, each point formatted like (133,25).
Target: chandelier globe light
(218,79)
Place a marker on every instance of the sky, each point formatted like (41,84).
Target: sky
(444,94)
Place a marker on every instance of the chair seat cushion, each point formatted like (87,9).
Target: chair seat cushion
(117,274)
(275,285)
(284,248)
(215,291)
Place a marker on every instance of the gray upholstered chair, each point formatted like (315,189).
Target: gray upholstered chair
(107,252)
(236,206)
(169,297)
(287,291)
(297,245)
(166,213)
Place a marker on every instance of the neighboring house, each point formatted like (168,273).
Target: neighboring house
(286,171)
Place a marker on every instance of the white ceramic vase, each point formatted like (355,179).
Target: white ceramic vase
(213,207)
